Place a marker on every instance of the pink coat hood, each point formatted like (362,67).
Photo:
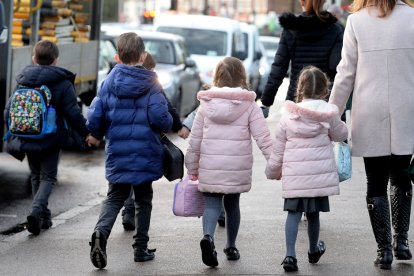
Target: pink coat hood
(220,147)
(303,150)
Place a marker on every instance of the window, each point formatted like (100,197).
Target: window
(200,41)
(162,51)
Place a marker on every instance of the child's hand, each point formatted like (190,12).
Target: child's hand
(279,176)
(92,141)
(184,132)
(193,177)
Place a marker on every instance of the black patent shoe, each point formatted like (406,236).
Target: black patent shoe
(314,257)
(208,252)
(290,264)
(232,253)
(143,255)
(33,224)
(128,222)
(221,222)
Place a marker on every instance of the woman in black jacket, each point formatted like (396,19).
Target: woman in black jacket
(311,38)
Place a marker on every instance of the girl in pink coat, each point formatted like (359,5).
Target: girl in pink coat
(220,151)
(303,158)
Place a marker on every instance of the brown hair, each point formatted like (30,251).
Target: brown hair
(230,72)
(316,7)
(149,62)
(384,7)
(312,84)
(130,48)
(45,52)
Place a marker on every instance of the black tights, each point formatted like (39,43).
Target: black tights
(380,170)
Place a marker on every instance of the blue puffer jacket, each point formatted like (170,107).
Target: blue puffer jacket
(130,111)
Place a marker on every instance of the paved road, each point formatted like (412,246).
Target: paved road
(64,250)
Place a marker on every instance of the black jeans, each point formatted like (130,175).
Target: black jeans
(117,194)
(380,170)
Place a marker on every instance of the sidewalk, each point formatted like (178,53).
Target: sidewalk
(64,249)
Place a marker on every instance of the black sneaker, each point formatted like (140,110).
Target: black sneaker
(314,257)
(45,223)
(208,252)
(290,264)
(143,255)
(33,224)
(128,222)
(98,249)
(232,253)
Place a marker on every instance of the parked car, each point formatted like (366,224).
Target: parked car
(177,72)
(254,55)
(209,39)
(270,44)
(107,52)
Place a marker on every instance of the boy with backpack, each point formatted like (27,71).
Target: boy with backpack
(130,111)
(42,87)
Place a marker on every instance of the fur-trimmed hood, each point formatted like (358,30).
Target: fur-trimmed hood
(307,24)
(312,116)
(225,104)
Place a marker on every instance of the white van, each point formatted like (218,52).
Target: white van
(254,55)
(209,39)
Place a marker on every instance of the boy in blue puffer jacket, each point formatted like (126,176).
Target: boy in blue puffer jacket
(130,111)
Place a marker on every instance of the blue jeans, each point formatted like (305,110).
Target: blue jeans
(117,194)
(43,177)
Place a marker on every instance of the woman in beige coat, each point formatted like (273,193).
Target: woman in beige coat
(378,64)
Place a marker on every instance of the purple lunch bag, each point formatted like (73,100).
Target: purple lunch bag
(188,200)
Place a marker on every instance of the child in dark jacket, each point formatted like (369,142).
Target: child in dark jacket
(130,111)
(43,154)
(128,213)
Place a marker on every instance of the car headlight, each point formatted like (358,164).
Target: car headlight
(164,78)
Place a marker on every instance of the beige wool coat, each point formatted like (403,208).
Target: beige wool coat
(378,66)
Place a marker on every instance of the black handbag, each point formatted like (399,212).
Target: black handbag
(173,160)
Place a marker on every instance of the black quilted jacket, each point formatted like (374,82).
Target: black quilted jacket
(305,40)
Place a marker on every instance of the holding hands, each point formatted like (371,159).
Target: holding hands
(92,141)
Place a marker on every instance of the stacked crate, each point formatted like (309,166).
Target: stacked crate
(60,21)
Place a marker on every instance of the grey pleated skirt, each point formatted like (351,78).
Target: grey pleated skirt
(307,204)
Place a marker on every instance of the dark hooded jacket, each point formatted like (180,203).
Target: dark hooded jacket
(305,40)
(131,111)
(61,84)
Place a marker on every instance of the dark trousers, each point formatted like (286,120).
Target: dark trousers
(380,170)
(117,194)
(43,177)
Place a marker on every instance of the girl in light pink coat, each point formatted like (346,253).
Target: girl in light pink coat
(303,158)
(220,151)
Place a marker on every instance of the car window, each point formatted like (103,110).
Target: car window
(162,51)
(246,41)
(200,41)
(180,53)
(107,53)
